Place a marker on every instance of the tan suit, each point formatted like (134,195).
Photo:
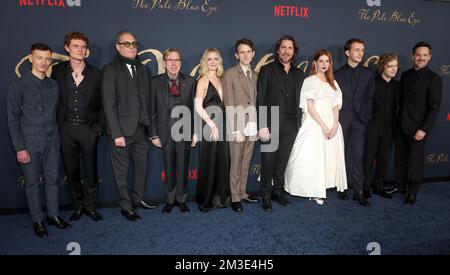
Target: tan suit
(239,90)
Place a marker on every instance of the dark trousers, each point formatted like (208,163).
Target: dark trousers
(378,149)
(45,158)
(135,151)
(354,137)
(176,163)
(79,142)
(409,158)
(273,164)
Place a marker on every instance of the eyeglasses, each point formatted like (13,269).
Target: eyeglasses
(129,44)
(173,60)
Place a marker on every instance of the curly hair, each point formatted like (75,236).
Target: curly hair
(75,35)
(384,60)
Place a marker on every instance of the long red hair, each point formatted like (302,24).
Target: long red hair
(329,73)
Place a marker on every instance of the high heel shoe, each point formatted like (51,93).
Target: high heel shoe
(319,201)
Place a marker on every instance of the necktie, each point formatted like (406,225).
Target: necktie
(250,85)
(133,72)
(174,88)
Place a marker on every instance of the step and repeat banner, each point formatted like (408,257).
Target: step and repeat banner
(192,26)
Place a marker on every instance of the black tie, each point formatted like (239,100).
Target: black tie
(133,72)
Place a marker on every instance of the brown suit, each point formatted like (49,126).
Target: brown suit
(239,91)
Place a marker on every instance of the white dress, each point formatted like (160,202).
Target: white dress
(317,163)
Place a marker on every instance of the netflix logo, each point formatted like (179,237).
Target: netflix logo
(291,11)
(448,117)
(192,175)
(50,3)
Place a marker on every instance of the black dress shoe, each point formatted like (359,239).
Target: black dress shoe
(410,199)
(281,199)
(396,190)
(361,199)
(343,195)
(203,209)
(366,194)
(236,206)
(183,207)
(40,230)
(168,208)
(95,216)
(145,205)
(76,215)
(382,193)
(250,199)
(266,205)
(58,221)
(131,215)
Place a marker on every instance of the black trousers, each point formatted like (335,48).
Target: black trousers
(176,163)
(79,143)
(409,160)
(377,149)
(273,164)
(135,152)
(354,137)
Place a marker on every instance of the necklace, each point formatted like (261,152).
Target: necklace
(78,74)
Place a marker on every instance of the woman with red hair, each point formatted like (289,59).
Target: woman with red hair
(317,160)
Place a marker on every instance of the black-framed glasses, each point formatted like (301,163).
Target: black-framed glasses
(128,44)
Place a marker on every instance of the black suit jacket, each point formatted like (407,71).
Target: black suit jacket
(160,110)
(123,100)
(361,102)
(92,79)
(419,106)
(381,101)
(269,90)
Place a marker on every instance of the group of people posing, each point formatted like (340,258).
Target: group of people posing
(304,126)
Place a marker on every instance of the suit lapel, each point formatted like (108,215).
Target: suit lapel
(125,69)
(182,87)
(242,78)
(64,88)
(87,78)
(358,82)
(254,82)
(164,89)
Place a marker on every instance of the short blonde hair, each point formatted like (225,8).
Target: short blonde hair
(204,67)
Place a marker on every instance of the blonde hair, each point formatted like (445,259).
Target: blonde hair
(204,67)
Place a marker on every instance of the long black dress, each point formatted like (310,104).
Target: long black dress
(213,184)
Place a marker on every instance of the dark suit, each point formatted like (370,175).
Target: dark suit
(79,138)
(126,102)
(380,132)
(355,115)
(276,88)
(420,98)
(175,153)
